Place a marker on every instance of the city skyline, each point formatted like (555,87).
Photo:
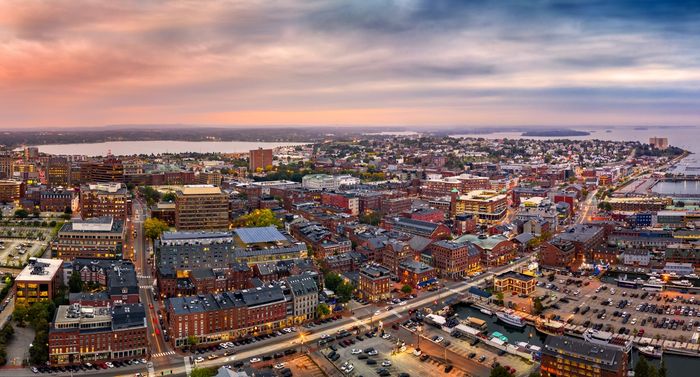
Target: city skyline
(379,63)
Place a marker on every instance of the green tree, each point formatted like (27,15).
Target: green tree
(75,283)
(323,310)
(203,372)
(258,218)
(168,197)
(537,306)
(344,292)
(20,314)
(641,369)
(373,218)
(332,281)
(406,289)
(499,371)
(21,213)
(153,228)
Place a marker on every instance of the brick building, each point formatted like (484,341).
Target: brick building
(103,199)
(374,283)
(201,207)
(39,281)
(100,237)
(454,259)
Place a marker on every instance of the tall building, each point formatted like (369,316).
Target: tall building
(260,159)
(567,356)
(103,199)
(58,172)
(659,142)
(485,205)
(6,165)
(31,153)
(201,207)
(107,170)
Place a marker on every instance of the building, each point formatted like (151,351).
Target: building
(94,238)
(567,356)
(636,257)
(495,250)
(266,244)
(454,259)
(322,241)
(440,186)
(214,318)
(304,292)
(40,280)
(374,283)
(328,182)
(58,172)
(514,282)
(425,229)
(59,200)
(417,274)
(558,254)
(658,142)
(104,199)
(201,207)
(107,170)
(260,159)
(348,202)
(11,190)
(6,164)
(585,238)
(116,277)
(487,207)
(84,334)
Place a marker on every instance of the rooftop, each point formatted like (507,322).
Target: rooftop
(260,235)
(200,190)
(606,357)
(40,269)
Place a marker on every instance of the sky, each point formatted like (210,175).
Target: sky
(340,63)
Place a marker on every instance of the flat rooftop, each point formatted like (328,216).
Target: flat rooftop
(200,190)
(40,269)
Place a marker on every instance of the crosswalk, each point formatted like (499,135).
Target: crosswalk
(163,354)
(146,286)
(143,276)
(188,366)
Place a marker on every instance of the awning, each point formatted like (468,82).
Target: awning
(427,282)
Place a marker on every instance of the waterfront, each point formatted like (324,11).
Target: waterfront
(128,148)
(678,366)
(677,188)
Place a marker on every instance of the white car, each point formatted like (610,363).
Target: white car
(378,312)
(439,339)
(199,359)
(402,303)
(355,351)
(324,336)
(386,336)
(417,352)
(386,363)
(109,364)
(255,360)
(279,366)
(373,353)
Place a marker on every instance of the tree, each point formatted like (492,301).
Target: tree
(168,197)
(258,218)
(641,369)
(203,372)
(373,218)
(332,281)
(406,289)
(500,371)
(323,310)
(537,305)
(192,340)
(153,227)
(20,314)
(75,283)
(344,292)
(21,213)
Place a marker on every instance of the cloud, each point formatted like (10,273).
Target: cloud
(68,63)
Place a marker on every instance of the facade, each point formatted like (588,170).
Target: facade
(439,186)
(304,293)
(201,207)
(487,207)
(328,182)
(108,170)
(40,280)
(100,237)
(495,250)
(260,159)
(567,356)
(227,316)
(82,334)
(417,274)
(11,190)
(394,253)
(514,282)
(416,227)
(58,172)
(374,283)
(103,199)
(350,203)
(59,200)
(558,254)
(636,257)
(455,259)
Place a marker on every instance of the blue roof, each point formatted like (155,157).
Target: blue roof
(260,235)
(479,292)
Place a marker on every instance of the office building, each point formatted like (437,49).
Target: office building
(100,237)
(40,280)
(567,356)
(104,199)
(260,159)
(201,207)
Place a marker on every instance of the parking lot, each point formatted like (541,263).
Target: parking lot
(664,315)
(382,355)
(16,252)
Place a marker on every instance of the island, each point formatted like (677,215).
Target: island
(555,133)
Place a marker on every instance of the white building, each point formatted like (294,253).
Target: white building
(328,182)
(636,257)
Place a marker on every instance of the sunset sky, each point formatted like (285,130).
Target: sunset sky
(364,62)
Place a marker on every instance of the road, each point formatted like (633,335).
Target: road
(589,205)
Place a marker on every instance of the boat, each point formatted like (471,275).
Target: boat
(682,283)
(549,327)
(653,285)
(510,318)
(476,323)
(691,276)
(500,336)
(651,351)
(623,282)
(486,311)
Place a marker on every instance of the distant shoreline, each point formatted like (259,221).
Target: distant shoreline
(555,133)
